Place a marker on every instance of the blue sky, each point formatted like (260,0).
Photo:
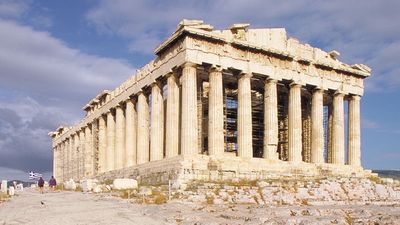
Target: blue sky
(57,55)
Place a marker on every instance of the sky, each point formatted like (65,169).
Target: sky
(55,56)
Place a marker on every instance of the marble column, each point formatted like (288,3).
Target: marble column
(270,120)
(215,113)
(143,129)
(68,166)
(244,117)
(157,123)
(338,129)
(76,156)
(119,156)
(295,123)
(189,133)
(102,145)
(81,155)
(89,156)
(317,126)
(172,117)
(354,133)
(130,133)
(110,141)
(55,161)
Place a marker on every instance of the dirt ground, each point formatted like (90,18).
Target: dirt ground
(30,207)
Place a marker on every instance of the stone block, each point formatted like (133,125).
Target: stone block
(11,191)
(125,183)
(4,186)
(88,184)
(70,185)
(98,189)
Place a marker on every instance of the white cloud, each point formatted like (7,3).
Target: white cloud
(12,8)
(363,32)
(369,124)
(43,83)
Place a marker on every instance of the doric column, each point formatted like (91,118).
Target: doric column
(63,163)
(295,145)
(270,120)
(317,123)
(244,136)
(157,126)
(172,123)
(102,145)
(81,155)
(119,156)
(338,129)
(143,129)
(354,133)
(89,160)
(55,161)
(189,135)
(215,113)
(110,141)
(76,156)
(130,133)
(68,160)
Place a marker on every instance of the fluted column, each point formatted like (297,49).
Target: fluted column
(157,120)
(245,127)
(317,123)
(88,154)
(338,129)
(295,144)
(102,145)
(130,133)
(215,113)
(68,166)
(270,120)
(172,123)
(119,156)
(110,141)
(143,129)
(76,156)
(81,155)
(55,161)
(354,133)
(189,134)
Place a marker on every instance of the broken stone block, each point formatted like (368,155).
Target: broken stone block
(125,183)
(11,191)
(88,184)
(70,185)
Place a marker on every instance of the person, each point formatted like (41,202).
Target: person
(41,185)
(52,183)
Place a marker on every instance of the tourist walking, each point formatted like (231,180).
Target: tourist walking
(52,183)
(41,185)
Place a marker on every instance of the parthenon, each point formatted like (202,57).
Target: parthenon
(222,104)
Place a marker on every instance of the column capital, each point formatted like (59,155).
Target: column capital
(244,75)
(339,93)
(317,90)
(269,80)
(295,84)
(189,64)
(170,73)
(155,83)
(355,97)
(215,68)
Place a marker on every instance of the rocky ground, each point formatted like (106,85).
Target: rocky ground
(67,207)
(326,201)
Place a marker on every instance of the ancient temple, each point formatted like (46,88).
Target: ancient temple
(222,104)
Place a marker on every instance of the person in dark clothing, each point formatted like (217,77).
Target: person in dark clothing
(53,183)
(41,185)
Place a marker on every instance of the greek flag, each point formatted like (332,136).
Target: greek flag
(33,175)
